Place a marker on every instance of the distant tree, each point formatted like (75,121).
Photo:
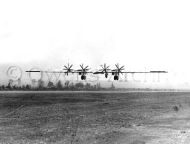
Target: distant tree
(23,87)
(50,85)
(98,86)
(71,86)
(14,87)
(79,85)
(3,87)
(67,84)
(9,86)
(40,84)
(19,87)
(88,86)
(28,87)
(59,85)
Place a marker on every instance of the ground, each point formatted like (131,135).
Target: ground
(95,118)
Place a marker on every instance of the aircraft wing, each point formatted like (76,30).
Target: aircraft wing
(78,71)
(158,72)
(49,71)
(132,72)
(98,72)
(146,72)
(81,72)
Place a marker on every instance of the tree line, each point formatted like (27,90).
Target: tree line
(40,85)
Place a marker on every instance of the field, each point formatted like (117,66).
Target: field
(95,118)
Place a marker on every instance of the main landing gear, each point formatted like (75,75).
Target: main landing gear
(83,77)
(116,77)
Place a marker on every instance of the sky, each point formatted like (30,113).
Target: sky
(138,34)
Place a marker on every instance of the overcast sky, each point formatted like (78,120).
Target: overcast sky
(136,33)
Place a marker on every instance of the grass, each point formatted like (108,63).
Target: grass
(81,118)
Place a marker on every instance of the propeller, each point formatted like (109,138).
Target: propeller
(104,68)
(119,69)
(84,69)
(68,68)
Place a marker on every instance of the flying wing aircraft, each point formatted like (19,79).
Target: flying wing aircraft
(104,70)
(119,70)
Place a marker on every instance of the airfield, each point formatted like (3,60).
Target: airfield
(57,117)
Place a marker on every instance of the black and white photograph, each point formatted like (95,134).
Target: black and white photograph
(94,72)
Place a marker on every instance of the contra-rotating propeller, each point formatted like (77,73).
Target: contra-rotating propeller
(119,69)
(84,69)
(68,68)
(104,68)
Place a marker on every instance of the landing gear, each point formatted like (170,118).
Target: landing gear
(83,77)
(116,77)
(106,75)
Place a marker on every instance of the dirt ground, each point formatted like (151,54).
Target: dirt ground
(95,118)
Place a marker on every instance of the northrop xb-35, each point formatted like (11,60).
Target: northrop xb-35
(84,70)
